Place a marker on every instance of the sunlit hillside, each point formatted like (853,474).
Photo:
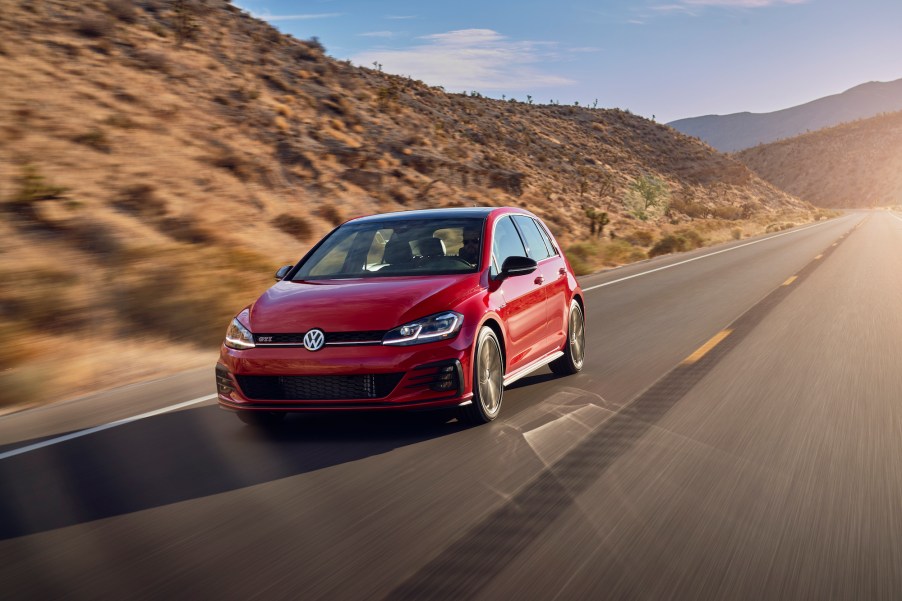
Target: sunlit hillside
(858,164)
(159,160)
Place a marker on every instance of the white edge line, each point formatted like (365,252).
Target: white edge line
(726,250)
(121,422)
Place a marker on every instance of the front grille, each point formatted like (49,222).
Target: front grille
(366,337)
(373,336)
(304,388)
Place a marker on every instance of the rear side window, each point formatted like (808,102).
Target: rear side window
(535,244)
(552,251)
(507,243)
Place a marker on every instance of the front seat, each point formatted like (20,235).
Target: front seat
(397,252)
(431,247)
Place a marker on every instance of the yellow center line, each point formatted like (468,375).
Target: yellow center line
(705,348)
(790,280)
(818,257)
(835,243)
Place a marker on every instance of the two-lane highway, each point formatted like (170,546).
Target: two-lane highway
(736,433)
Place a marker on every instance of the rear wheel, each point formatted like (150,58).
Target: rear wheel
(261,419)
(488,379)
(575,348)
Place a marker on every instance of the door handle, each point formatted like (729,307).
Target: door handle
(562,271)
(540,280)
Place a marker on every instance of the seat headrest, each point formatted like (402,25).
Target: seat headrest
(431,247)
(397,251)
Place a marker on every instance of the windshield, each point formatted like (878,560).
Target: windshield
(397,248)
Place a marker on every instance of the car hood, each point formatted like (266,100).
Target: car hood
(357,305)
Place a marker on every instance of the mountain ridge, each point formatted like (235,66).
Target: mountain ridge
(738,131)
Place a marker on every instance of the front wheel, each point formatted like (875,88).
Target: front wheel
(488,379)
(575,348)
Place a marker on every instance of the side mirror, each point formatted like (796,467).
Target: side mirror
(517,266)
(283,271)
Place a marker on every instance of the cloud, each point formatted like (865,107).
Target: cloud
(378,34)
(687,6)
(301,17)
(470,59)
(400,17)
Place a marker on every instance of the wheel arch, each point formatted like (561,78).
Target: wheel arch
(495,325)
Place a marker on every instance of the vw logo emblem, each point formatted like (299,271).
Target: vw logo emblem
(314,340)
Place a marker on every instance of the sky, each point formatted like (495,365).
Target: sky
(662,59)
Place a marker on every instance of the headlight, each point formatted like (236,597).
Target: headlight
(429,329)
(238,336)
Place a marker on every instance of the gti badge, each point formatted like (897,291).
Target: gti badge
(314,340)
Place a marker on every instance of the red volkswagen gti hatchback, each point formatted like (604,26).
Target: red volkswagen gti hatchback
(409,310)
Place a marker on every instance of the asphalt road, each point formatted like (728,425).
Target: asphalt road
(736,434)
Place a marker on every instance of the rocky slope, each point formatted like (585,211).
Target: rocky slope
(852,165)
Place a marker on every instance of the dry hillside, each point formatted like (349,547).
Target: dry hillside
(159,159)
(857,164)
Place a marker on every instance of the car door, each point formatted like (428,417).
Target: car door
(552,274)
(520,299)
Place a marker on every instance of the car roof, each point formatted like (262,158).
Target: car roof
(463,212)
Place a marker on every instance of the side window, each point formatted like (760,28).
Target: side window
(535,245)
(551,250)
(507,243)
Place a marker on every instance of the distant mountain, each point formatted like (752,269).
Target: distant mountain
(851,165)
(729,133)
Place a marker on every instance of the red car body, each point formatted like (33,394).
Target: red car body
(528,315)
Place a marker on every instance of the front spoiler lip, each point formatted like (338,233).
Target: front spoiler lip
(333,406)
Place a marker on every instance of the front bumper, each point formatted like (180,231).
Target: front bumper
(367,378)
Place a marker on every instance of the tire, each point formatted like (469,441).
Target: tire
(575,347)
(261,419)
(488,380)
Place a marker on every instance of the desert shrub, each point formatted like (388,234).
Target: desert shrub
(736,233)
(587,257)
(293,225)
(155,61)
(689,208)
(729,212)
(332,214)
(670,243)
(140,200)
(124,10)
(34,187)
(94,237)
(639,237)
(581,256)
(778,227)
(187,230)
(692,237)
(93,26)
(230,161)
(617,252)
(94,138)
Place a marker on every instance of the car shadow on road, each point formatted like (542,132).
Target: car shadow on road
(187,455)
